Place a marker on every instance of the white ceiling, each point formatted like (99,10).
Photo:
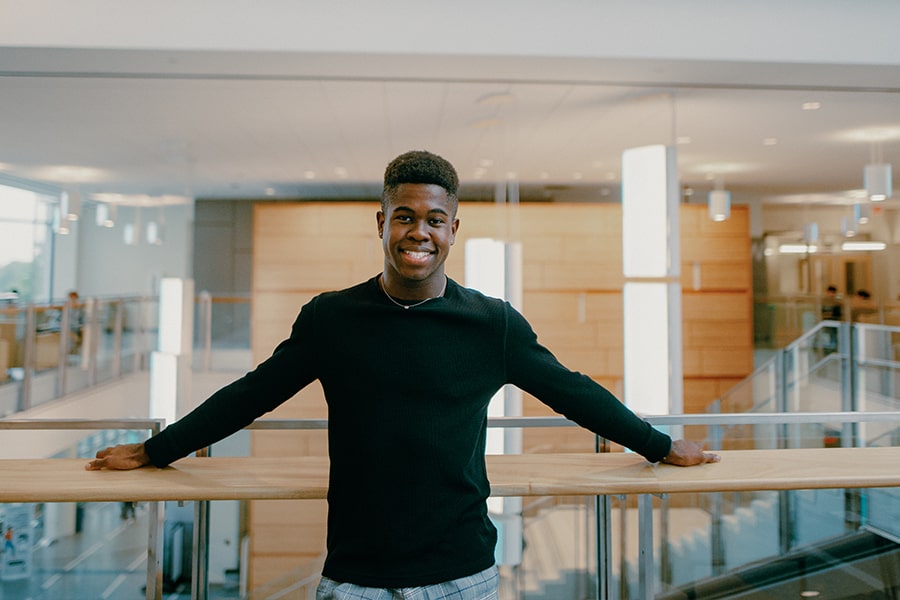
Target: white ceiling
(245,124)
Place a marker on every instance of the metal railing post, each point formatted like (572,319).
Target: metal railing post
(118,320)
(716,540)
(28,355)
(200,545)
(64,341)
(205,306)
(92,343)
(623,549)
(603,534)
(646,579)
(783,370)
(665,561)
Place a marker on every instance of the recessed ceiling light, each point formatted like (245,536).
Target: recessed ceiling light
(683,139)
(544,175)
(811,105)
(69,174)
(577,175)
(511,175)
(341,172)
(809,594)
(486,123)
(496,99)
(486,162)
(770,141)
(309,174)
(270,191)
(611,176)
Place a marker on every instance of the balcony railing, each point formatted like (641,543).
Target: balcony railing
(609,478)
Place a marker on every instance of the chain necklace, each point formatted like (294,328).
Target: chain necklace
(408,306)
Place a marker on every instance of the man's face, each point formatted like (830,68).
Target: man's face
(417,230)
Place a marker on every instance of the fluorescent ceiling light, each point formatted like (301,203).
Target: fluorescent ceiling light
(861,246)
(797,248)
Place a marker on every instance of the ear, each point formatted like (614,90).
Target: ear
(453,228)
(379,221)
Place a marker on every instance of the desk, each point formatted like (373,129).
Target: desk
(215,478)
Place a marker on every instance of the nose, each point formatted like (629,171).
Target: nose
(418,230)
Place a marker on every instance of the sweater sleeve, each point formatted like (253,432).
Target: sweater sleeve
(533,368)
(291,367)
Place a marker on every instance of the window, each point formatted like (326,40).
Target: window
(26,243)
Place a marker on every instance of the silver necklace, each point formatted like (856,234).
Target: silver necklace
(408,306)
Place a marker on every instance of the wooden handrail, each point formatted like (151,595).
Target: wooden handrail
(65,480)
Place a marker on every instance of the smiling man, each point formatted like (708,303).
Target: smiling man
(409,361)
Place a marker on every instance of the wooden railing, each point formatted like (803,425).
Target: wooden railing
(603,474)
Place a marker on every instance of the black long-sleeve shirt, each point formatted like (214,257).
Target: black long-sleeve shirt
(407,393)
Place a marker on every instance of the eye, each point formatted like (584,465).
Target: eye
(403,218)
(436,221)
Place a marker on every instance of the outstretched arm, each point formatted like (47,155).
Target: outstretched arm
(685,454)
(122,458)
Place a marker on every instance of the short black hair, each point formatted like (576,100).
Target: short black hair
(420,166)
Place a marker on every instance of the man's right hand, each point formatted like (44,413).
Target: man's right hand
(120,458)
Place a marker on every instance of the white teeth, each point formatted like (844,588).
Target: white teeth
(418,254)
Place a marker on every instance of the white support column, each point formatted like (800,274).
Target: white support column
(495,269)
(652,292)
(170,366)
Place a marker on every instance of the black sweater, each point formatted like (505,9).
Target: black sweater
(407,394)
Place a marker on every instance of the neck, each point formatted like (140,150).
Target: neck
(432,289)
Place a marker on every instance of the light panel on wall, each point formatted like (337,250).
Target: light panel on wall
(652,290)
(649,216)
(652,328)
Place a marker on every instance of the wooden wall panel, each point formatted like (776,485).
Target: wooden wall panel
(573,282)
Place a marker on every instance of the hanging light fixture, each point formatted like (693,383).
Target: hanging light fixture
(848,226)
(877,176)
(862,213)
(719,202)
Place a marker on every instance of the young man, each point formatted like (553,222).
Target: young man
(409,361)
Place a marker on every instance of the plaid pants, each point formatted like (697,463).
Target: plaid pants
(480,586)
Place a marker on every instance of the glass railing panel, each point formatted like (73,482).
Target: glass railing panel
(779,320)
(222,332)
(747,544)
(134,348)
(230,322)
(558,550)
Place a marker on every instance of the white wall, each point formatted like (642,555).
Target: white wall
(108,266)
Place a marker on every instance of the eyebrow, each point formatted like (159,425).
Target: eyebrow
(439,211)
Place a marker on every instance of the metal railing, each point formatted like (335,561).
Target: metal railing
(650,570)
(156,516)
(50,350)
